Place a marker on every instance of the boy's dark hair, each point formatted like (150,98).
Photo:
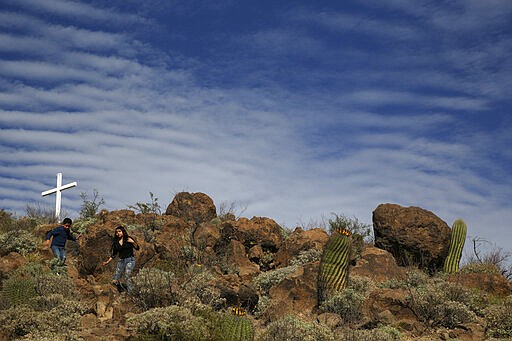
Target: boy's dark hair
(67,221)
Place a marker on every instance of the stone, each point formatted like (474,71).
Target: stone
(377,264)
(414,236)
(192,207)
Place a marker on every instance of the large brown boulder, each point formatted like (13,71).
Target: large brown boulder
(192,207)
(414,236)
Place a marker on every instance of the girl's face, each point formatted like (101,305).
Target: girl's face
(119,233)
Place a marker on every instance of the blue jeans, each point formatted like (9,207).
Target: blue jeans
(125,267)
(59,254)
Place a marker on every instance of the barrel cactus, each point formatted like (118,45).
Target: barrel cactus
(334,265)
(18,291)
(236,327)
(458,238)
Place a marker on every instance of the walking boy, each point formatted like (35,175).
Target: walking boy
(60,235)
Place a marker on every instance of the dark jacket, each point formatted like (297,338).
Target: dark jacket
(60,234)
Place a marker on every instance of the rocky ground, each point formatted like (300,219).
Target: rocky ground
(251,260)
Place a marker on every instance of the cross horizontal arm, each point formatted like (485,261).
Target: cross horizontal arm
(50,191)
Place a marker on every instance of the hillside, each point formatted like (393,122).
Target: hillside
(204,276)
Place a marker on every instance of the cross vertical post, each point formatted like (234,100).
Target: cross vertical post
(58,195)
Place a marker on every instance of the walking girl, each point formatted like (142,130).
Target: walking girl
(123,245)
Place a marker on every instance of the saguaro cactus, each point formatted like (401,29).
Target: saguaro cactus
(451,263)
(334,265)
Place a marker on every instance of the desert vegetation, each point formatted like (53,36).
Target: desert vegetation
(225,277)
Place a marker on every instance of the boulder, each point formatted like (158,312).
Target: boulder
(414,236)
(259,230)
(235,293)
(377,264)
(192,207)
(300,240)
(239,260)
(297,293)
(494,284)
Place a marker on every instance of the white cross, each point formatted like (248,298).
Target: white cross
(57,190)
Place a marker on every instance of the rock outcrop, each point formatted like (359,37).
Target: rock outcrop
(413,236)
(192,207)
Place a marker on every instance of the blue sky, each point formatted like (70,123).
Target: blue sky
(293,110)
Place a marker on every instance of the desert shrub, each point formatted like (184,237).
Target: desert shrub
(41,214)
(22,320)
(347,303)
(20,241)
(80,225)
(340,221)
(6,221)
(198,284)
(306,256)
(291,328)
(154,288)
(481,268)
(172,323)
(499,319)
(382,333)
(267,280)
(441,304)
(413,279)
(262,306)
(50,283)
(90,208)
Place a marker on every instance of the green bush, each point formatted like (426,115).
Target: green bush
(441,304)
(291,328)
(353,225)
(481,268)
(154,288)
(267,280)
(22,320)
(499,319)
(348,304)
(20,241)
(198,284)
(307,256)
(172,323)
(90,208)
(413,279)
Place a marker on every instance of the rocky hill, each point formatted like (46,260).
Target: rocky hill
(200,276)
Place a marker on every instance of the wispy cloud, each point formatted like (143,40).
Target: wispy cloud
(320,110)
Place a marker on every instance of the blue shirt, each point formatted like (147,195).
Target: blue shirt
(60,234)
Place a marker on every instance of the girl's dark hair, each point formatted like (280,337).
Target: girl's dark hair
(125,234)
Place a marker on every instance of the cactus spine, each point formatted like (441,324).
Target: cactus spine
(458,238)
(333,272)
